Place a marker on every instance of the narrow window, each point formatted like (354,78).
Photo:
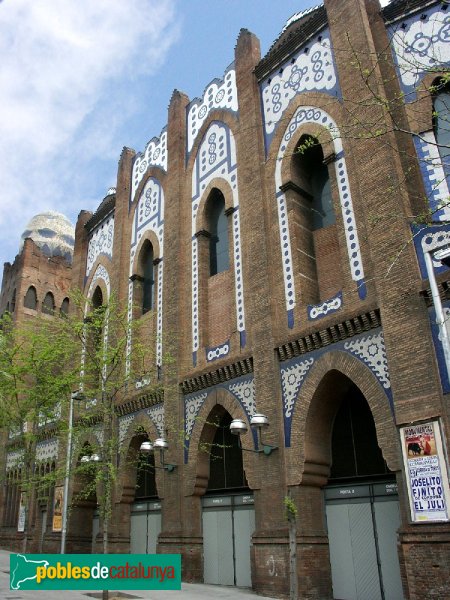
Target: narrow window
(218,228)
(97,319)
(13,301)
(94,337)
(316,172)
(30,300)
(64,310)
(48,306)
(148,284)
(442,126)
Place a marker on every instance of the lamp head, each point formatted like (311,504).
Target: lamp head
(238,427)
(146,447)
(161,444)
(259,420)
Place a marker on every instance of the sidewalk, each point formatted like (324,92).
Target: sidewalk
(189,591)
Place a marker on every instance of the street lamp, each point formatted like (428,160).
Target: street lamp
(259,422)
(87,458)
(443,255)
(77,395)
(160,444)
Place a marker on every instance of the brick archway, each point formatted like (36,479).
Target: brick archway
(215,405)
(310,456)
(317,406)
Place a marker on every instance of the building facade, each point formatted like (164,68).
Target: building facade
(274,238)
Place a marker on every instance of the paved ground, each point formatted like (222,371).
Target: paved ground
(189,591)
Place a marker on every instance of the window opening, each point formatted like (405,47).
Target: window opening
(355,449)
(226,465)
(48,306)
(218,229)
(441,122)
(309,158)
(148,285)
(30,300)
(64,310)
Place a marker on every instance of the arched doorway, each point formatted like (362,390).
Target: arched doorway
(362,509)
(145,521)
(228,517)
(83,526)
(145,505)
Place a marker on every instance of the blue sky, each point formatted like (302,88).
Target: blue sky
(81,79)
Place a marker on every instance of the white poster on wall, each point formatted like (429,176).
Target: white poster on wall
(426,472)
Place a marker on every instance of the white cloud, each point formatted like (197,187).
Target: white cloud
(67,69)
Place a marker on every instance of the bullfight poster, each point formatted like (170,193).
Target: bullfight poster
(426,472)
(57,508)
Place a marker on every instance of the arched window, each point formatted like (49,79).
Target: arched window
(64,310)
(97,319)
(94,329)
(226,465)
(312,222)
(12,497)
(30,300)
(97,298)
(48,306)
(315,174)
(148,276)
(145,480)
(441,121)
(218,229)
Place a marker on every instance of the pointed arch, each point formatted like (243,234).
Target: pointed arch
(142,428)
(315,410)
(218,402)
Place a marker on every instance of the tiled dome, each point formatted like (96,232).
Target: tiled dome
(53,233)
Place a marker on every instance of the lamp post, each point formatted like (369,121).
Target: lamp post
(443,255)
(77,395)
(160,444)
(259,422)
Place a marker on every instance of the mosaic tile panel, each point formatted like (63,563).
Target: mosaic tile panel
(14,459)
(427,239)
(154,413)
(433,175)
(218,94)
(47,451)
(318,311)
(311,68)
(217,352)
(154,155)
(100,243)
(420,44)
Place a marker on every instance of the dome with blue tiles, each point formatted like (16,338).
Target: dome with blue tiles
(53,233)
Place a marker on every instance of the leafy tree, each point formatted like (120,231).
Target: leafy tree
(36,376)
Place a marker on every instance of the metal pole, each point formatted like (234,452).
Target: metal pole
(66,479)
(440,317)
